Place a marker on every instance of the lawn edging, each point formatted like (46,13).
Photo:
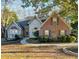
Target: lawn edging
(65,50)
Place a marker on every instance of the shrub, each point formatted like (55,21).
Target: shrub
(17,37)
(67,38)
(43,39)
(34,38)
(51,39)
(63,38)
(72,39)
(74,34)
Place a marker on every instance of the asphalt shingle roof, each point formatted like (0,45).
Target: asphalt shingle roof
(23,24)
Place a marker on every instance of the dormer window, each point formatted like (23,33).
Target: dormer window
(54,19)
(35,29)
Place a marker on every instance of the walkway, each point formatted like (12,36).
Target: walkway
(23,41)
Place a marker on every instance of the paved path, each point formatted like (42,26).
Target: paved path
(35,51)
(23,41)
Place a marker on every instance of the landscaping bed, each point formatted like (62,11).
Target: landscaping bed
(62,39)
(71,51)
(32,40)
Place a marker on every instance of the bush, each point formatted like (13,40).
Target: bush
(44,39)
(17,37)
(51,40)
(63,38)
(67,38)
(74,34)
(72,39)
(34,38)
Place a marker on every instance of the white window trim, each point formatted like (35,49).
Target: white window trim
(47,32)
(62,32)
(54,19)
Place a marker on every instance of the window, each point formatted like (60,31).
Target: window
(46,32)
(62,32)
(14,31)
(10,35)
(35,28)
(54,19)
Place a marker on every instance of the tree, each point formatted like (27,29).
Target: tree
(8,17)
(43,10)
(74,31)
(68,8)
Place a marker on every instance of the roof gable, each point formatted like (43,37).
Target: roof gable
(12,26)
(35,18)
(54,14)
(23,24)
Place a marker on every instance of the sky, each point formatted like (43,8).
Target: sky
(22,13)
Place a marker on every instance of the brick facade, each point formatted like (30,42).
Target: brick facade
(53,27)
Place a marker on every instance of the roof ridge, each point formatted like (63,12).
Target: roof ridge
(64,21)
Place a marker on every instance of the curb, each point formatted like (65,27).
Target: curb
(69,52)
